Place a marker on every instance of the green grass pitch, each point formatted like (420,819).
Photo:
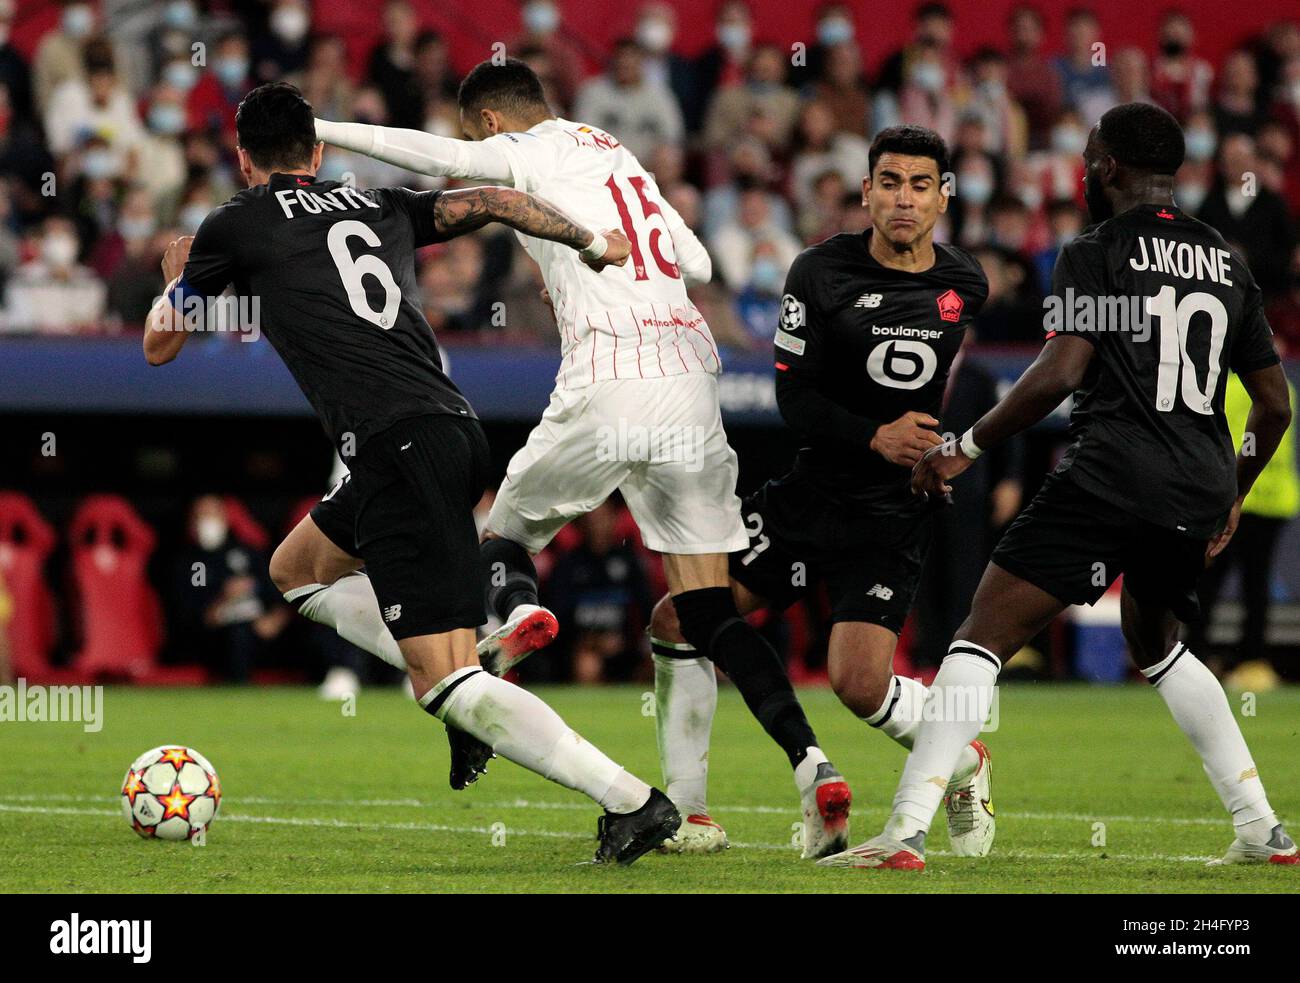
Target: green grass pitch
(316,801)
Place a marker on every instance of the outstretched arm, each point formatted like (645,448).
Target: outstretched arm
(415,150)
(457,212)
(1057,372)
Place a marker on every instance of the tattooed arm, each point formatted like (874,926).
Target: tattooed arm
(457,212)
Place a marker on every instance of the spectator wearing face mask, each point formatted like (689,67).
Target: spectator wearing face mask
(723,64)
(1193,180)
(1180,81)
(758,302)
(137,278)
(1250,215)
(282,49)
(542,30)
(932,34)
(392,65)
(58,57)
(178,25)
(735,247)
(640,114)
(834,26)
(216,95)
(977,175)
(656,30)
(94,104)
(226,610)
(161,156)
(53,293)
(1065,221)
(1005,124)
(930,92)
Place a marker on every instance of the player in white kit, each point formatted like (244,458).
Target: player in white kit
(635,408)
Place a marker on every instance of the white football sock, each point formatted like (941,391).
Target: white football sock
(686,697)
(520,727)
(805,772)
(957,704)
(1200,707)
(899,717)
(349,607)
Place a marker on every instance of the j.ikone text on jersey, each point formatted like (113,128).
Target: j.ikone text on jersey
(634,442)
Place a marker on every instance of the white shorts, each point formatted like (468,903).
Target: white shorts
(658,441)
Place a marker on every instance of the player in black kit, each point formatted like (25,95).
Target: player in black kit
(869,326)
(1150,310)
(333,271)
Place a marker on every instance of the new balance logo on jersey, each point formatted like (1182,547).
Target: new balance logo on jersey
(869,300)
(881,591)
(392,612)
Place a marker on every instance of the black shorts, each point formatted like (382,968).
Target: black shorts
(407,510)
(797,537)
(1074,545)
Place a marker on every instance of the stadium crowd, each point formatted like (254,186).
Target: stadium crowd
(112,143)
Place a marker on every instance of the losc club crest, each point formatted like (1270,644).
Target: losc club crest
(950,306)
(792,313)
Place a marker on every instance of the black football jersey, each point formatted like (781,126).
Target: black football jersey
(876,343)
(1148,430)
(331,270)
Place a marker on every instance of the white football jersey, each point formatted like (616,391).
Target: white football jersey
(630,322)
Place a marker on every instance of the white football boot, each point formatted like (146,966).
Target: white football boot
(968,802)
(826,805)
(528,629)
(1280,849)
(882,852)
(697,834)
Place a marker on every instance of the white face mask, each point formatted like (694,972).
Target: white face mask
(290,23)
(210,531)
(655,35)
(78,20)
(734,37)
(59,250)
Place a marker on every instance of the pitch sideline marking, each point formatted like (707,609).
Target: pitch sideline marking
(558,835)
(579,806)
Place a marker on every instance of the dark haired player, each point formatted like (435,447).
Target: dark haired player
(869,326)
(636,356)
(334,270)
(1149,488)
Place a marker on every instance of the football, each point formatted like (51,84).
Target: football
(171,793)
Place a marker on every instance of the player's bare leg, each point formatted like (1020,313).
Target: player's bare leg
(861,666)
(324,583)
(450,685)
(709,620)
(1200,708)
(1005,614)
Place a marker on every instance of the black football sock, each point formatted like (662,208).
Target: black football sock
(509,577)
(710,621)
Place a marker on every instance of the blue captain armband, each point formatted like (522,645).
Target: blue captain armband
(178,294)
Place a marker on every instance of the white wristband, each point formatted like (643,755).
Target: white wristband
(968,445)
(597,248)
